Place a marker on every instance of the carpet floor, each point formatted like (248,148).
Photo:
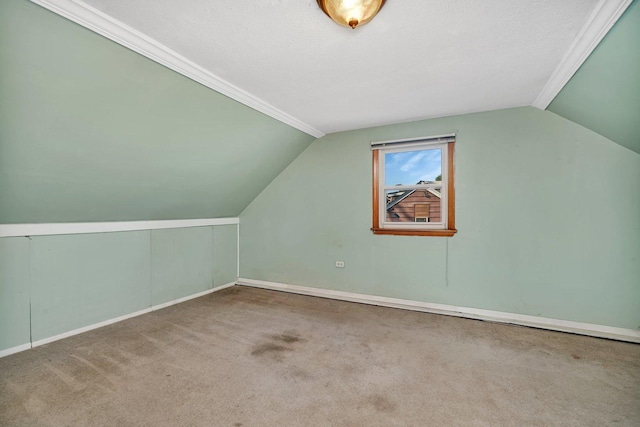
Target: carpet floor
(252,357)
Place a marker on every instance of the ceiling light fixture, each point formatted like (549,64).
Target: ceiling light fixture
(351,13)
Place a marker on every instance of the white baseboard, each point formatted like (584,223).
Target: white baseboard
(589,329)
(187,298)
(16,349)
(89,327)
(125,317)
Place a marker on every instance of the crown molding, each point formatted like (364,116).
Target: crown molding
(602,19)
(103,24)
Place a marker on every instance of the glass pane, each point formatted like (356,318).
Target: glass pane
(413,167)
(413,206)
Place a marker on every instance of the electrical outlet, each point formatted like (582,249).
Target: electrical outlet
(339,264)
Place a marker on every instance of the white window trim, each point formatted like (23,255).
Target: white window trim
(413,146)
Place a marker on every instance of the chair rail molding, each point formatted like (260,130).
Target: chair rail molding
(23,230)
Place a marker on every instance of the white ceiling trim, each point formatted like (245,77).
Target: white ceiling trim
(603,18)
(120,33)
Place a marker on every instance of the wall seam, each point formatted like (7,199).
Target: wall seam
(150,268)
(446,263)
(29,266)
(213,257)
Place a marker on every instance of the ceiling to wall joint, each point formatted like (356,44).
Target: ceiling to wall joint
(439,60)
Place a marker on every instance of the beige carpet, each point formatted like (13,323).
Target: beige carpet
(250,357)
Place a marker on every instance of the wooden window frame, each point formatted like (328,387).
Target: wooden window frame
(451,200)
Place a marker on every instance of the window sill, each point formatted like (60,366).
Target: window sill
(404,232)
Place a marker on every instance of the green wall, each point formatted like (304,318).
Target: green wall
(54,284)
(14,292)
(91,131)
(547,212)
(604,95)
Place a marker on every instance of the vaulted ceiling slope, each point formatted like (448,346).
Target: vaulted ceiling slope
(91,131)
(417,59)
(604,95)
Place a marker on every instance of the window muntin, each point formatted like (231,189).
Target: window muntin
(413,188)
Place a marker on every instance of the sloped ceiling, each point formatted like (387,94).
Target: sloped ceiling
(91,131)
(604,95)
(417,59)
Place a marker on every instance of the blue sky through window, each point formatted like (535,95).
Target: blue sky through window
(409,167)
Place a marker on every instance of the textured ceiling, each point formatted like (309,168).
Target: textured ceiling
(417,59)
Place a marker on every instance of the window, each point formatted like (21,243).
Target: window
(413,191)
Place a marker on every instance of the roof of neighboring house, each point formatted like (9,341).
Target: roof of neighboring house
(408,193)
